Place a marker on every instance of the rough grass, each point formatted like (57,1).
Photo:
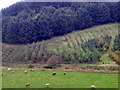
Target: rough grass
(105,59)
(38,79)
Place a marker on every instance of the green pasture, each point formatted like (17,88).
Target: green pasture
(38,79)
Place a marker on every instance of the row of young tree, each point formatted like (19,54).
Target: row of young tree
(116,46)
(89,51)
(75,51)
(28,22)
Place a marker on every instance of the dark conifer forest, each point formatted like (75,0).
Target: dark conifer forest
(28,22)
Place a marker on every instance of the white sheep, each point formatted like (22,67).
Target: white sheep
(47,85)
(93,86)
(8,69)
(25,71)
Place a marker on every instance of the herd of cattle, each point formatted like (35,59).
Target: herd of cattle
(46,85)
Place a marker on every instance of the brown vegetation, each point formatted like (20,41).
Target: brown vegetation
(115,57)
(53,61)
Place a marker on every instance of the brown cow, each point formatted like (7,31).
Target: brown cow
(64,73)
(12,72)
(54,73)
(2,74)
(28,85)
(32,70)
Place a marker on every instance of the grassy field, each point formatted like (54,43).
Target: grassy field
(38,79)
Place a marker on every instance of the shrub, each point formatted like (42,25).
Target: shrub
(43,70)
(30,66)
(48,67)
(53,61)
(66,67)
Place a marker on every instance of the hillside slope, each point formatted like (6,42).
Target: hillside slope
(79,46)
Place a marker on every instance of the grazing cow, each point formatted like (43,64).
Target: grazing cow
(8,69)
(54,73)
(32,70)
(47,85)
(1,74)
(64,73)
(13,72)
(93,86)
(28,85)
